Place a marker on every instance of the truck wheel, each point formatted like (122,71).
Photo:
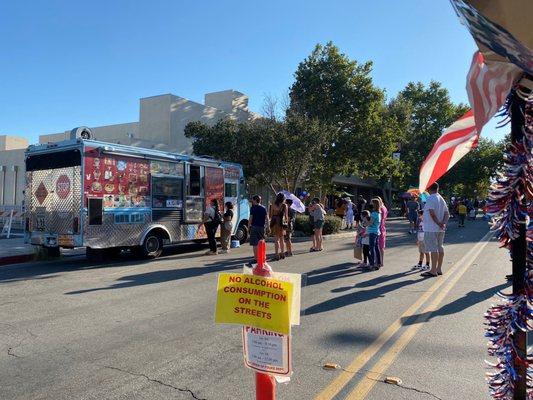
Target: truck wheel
(53,252)
(242,233)
(95,254)
(152,246)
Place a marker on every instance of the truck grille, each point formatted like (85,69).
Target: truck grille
(167,215)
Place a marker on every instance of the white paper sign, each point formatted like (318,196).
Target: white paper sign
(266,351)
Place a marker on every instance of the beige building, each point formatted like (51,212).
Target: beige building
(12,179)
(161,124)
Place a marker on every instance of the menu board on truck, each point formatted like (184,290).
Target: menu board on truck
(122,182)
(214,186)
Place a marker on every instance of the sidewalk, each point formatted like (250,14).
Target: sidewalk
(14,250)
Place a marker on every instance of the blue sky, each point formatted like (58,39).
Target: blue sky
(70,63)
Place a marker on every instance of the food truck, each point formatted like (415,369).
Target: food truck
(109,197)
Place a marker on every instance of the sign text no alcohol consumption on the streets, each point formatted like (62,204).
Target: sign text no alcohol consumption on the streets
(254,301)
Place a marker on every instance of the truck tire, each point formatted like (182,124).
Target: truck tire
(242,233)
(53,252)
(152,246)
(95,254)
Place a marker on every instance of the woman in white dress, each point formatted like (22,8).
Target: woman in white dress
(349,214)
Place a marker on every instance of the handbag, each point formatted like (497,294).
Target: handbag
(358,252)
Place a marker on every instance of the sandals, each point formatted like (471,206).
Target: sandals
(428,274)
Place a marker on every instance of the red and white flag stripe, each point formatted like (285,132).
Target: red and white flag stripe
(455,142)
(487,87)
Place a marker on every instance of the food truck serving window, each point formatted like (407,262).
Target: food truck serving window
(167,192)
(53,160)
(195,179)
(230,189)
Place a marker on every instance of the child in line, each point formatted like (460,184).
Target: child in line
(472,214)
(421,246)
(365,241)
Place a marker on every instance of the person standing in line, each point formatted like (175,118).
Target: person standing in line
(318,218)
(290,229)
(472,214)
(461,212)
(373,234)
(420,242)
(257,222)
(310,210)
(349,214)
(412,214)
(361,205)
(340,211)
(382,239)
(227,228)
(365,221)
(436,217)
(278,224)
(212,219)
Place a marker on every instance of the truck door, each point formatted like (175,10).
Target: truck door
(54,192)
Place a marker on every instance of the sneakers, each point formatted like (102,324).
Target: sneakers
(224,251)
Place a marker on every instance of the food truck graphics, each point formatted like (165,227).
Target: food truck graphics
(108,197)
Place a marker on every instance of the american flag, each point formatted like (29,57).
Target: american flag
(487,87)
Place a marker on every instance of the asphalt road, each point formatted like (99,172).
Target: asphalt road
(145,329)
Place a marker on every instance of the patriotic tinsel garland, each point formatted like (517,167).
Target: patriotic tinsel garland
(510,204)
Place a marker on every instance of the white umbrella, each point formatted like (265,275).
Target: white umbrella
(296,202)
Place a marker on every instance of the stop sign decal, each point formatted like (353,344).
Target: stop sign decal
(63,186)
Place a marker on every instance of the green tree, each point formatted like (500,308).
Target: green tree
(422,113)
(340,93)
(274,153)
(472,175)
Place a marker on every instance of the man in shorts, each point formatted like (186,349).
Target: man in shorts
(435,218)
(257,222)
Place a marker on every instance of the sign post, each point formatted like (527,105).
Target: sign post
(266,304)
(265,384)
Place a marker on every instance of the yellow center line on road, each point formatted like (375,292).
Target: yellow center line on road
(360,361)
(369,380)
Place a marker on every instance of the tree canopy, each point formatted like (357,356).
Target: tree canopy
(340,92)
(274,153)
(338,122)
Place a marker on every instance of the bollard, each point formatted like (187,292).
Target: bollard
(265,385)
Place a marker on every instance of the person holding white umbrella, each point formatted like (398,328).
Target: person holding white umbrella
(294,205)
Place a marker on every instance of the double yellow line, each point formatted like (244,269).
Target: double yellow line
(371,378)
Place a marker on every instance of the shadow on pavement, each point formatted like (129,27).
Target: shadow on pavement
(50,269)
(359,297)
(332,272)
(150,278)
(348,338)
(456,306)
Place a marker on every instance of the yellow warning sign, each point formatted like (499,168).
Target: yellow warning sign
(250,300)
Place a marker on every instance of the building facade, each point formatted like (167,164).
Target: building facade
(162,120)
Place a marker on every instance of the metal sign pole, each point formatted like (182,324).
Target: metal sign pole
(265,384)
